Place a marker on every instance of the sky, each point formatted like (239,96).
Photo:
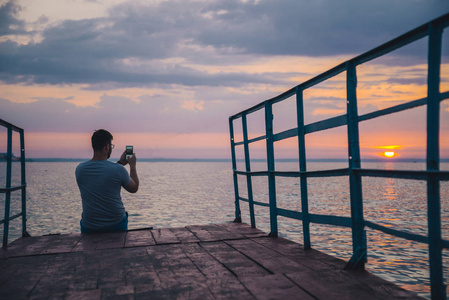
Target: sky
(165,75)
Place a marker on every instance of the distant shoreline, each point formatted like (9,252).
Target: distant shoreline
(443,160)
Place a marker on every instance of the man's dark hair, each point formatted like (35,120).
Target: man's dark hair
(101,138)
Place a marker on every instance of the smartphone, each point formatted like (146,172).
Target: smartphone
(129,152)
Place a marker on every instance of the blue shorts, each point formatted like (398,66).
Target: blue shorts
(122,226)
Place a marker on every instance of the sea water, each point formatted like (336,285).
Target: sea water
(176,194)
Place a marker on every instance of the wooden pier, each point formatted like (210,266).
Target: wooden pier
(220,261)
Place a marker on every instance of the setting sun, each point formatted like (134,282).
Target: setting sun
(389,154)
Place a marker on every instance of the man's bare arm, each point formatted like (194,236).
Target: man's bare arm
(133,185)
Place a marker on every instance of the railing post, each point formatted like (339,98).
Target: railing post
(248,169)
(438,290)
(303,167)
(8,185)
(238,215)
(271,168)
(359,248)
(23,182)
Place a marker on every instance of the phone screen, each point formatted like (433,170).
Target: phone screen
(129,151)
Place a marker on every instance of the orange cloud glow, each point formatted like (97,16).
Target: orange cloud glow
(389,147)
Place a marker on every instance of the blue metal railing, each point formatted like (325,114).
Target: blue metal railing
(432,175)
(9,189)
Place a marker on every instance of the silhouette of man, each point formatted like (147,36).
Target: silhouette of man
(100,182)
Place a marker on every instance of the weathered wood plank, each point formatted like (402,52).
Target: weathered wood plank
(165,236)
(221,232)
(139,238)
(218,279)
(235,261)
(269,259)
(209,266)
(62,244)
(378,286)
(243,229)
(112,240)
(185,235)
(311,258)
(275,286)
(336,285)
(201,233)
(228,287)
(27,246)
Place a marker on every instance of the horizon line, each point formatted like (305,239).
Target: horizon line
(161,159)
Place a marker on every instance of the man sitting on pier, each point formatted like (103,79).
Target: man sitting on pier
(100,182)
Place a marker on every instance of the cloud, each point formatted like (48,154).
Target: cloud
(182,112)
(9,24)
(314,28)
(147,45)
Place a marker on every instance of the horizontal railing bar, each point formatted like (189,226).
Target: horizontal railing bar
(309,83)
(11,218)
(289,213)
(323,76)
(287,173)
(400,107)
(346,222)
(400,41)
(254,173)
(7,124)
(12,189)
(398,233)
(261,203)
(259,173)
(255,202)
(243,199)
(325,124)
(283,96)
(393,109)
(342,120)
(330,220)
(403,174)
(285,134)
(327,173)
(324,173)
(320,173)
(392,45)
(248,111)
(314,218)
(259,138)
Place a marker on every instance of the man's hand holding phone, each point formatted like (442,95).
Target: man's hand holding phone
(129,157)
